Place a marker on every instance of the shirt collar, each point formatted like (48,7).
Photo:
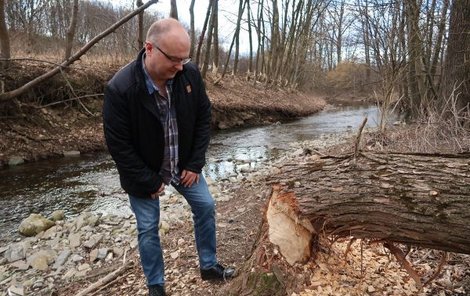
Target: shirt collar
(151,87)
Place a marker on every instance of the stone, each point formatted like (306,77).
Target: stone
(244,168)
(74,240)
(102,252)
(77,258)
(16,290)
(58,215)
(118,251)
(34,224)
(93,241)
(83,267)
(42,259)
(164,227)
(15,160)
(109,257)
(134,243)
(81,220)
(39,263)
(174,254)
(16,251)
(181,241)
(50,233)
(60,260)
(93,255)
(20,265)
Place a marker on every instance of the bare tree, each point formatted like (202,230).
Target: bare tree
(250,36)
(210,32)
(215,37)
(203,32)
(71,31)
(192,31)
(140,30)
(457,67)
(174,10)
(4,36)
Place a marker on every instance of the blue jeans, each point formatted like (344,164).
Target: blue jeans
(147,213)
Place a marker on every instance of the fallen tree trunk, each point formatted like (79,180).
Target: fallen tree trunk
(417,199)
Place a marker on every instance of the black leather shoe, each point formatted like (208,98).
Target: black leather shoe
(218,273)
(156,290)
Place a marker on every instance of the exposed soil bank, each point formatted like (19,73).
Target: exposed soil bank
(29,133)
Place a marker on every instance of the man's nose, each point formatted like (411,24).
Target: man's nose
(179,66)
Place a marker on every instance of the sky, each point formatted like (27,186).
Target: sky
(227,15)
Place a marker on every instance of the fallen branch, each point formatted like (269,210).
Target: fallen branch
(400,256)
(103,281)
(438,269)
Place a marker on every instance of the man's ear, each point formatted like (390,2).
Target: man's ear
(148,47)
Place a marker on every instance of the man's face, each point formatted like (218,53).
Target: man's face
(165,58)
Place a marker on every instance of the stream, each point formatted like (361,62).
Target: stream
(90,181)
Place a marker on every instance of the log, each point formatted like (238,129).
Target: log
(416,199)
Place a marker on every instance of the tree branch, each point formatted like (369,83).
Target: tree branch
(14,93)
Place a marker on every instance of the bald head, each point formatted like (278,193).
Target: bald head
(167,28)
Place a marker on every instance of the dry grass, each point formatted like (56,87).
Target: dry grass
(442,128)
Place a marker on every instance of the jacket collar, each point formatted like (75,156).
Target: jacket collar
(147,99)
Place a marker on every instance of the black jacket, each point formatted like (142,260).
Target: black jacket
(134,134)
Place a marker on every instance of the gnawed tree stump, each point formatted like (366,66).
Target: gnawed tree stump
(415,199)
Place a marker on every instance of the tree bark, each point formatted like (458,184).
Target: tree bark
(203,33)
(192,30)
(250,37)
(210,32)
(140,28)
(71,31)
(174,10)
(215,37)
(414,199)
(457,62)
(4,37)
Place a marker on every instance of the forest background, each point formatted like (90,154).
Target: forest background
(282,55)
(415,52)
(406,55)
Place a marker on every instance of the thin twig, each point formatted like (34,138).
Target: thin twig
(110,277)
(68,100)
(358,139)
(438,269)
(400,256)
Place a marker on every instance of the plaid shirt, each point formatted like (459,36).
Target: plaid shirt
(167,116)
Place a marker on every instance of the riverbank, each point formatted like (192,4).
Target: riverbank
(30,133)
(79,251)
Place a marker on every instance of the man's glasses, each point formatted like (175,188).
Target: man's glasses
(174,59)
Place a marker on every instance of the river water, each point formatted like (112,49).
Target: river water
(90,182)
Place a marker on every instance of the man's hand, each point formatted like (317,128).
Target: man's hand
(159,192)
(188,178)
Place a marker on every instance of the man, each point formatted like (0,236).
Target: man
(157,125)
